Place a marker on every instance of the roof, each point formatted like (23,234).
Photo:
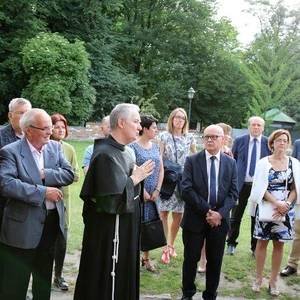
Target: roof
(278,116)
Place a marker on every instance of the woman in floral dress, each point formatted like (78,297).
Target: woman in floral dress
(269,184)
(176,143)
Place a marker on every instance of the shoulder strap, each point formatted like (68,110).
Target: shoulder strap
(175,147)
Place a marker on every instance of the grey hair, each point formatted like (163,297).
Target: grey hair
(123,110)
(17,101)
(256,117)
(28,118)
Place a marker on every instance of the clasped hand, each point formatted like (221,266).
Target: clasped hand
(281,209)
(213,218)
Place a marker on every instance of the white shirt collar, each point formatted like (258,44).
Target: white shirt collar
(208,155)
(252,138)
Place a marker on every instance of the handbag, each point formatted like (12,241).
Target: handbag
(266,209)
(172,176)
(152,233)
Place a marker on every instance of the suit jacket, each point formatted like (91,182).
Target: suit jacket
(7,136)
(20,182)
(195,191)
(240,149)
(296,149)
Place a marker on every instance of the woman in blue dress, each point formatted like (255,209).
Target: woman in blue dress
(145,148)
(276,180)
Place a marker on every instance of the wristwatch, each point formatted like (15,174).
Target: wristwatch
(290,204)
(157,189)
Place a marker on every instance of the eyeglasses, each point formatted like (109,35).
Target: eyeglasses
(59,127)
(212,137)
(45,129)
(18,112)
(180,118)
(280,141)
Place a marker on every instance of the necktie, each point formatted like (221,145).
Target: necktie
(253,158)
(213,185)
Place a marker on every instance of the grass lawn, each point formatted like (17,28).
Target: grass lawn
(238,270)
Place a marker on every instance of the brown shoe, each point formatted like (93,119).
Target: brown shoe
(287,271)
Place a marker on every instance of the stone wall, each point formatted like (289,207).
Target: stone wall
(88,133)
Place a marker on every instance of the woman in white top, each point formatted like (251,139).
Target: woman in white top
(176,143)
(276,180)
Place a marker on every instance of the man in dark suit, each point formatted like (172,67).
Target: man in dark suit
(243,153)
(209,189)
(33,170)
(9,134)
(12,132)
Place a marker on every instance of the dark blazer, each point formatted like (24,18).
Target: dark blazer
(240,149)
(20,182)
(7,136)
(195,191)
(296,150)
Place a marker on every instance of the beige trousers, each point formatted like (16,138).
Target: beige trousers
(295,250)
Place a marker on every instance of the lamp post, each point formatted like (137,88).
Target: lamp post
(191,93)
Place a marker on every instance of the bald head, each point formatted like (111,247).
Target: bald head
(213,138)
(105,126)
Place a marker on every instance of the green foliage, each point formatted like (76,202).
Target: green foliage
(146,106)
(272,61)
(91,22)
(58,73)
(172,46)
(18,22)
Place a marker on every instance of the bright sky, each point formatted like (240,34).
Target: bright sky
(246,24)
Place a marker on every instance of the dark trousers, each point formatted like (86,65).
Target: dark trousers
(193,243)
(19,264)
(2,205)
(60,252)
(237,215)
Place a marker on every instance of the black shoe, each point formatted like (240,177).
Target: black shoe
(253,253)
(186,298)
(60,283)
(230,249)
(287,271)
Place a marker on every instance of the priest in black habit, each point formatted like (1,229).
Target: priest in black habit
(109,265)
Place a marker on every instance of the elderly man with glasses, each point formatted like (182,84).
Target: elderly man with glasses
(33,170)
(209,190)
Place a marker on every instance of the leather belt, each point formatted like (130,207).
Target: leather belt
(248,183)
(51,211)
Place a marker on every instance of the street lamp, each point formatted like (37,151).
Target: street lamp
(191,93)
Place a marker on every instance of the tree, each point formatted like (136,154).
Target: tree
(173,45)
(18,22)
(91,22)
(273,59)
(59,79)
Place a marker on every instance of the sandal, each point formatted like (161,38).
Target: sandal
(172,251)
(257,285)
(165,257)
(273,289)
(201,270)
(150,268)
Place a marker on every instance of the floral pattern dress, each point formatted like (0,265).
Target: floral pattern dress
(150,183)
(183,145)
(277,231)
